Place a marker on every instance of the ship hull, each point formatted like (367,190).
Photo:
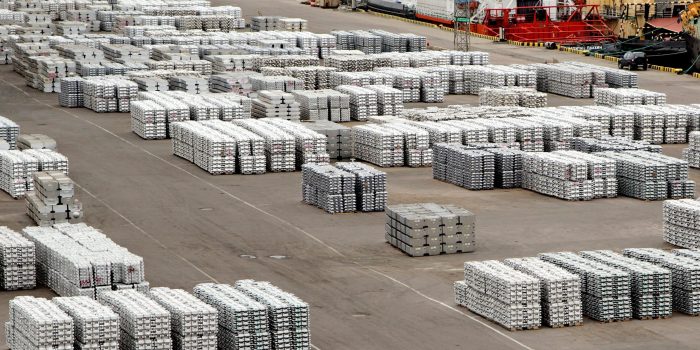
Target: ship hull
(693,47)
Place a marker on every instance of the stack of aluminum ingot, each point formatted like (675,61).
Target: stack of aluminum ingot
(692,153)
(438,132)
(17,261)
(560,291)
(464,166)
(276,104)
(500,293)
(37,323)
(651,284)
(471,133)
(76,259)
(417,152)
(612,143)
(143,322)
(191,84)
(310,145)
(601,171)
(280,146)
(528,133)
(338,138)
(378,145)
(363,101)
(512,96)
(499,131)
(47,160)
(649,124)
(323,105)
(194,324)
(52,200)
(558,176)
(680,226)
(605,289)
(207,148)
(410,82)
(614,77)
(685,275)
(370,186)
(618,97)
(430,229)
(96,325)
(329,188)
(568,80)
(250,147)
(243,322)
(148,120)
(71,94)
(618,120)
(651,176)
(508,167)
(283,83)
(389,100)
(9,131)
(35,142)
(16,172)
(109,94)
(288,315)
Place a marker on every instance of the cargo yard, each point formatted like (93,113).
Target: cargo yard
(251,230)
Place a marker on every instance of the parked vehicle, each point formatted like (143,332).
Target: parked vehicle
(633,60)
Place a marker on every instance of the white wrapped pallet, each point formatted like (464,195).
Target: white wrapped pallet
(684,276)
(17,261)
(96,325)
(35,141)
(605,290)
(560,291)
(651,284)
(363,101)
(194,324)
(280,146)
(378,145)
(243,322)
(37,323)
(501,294)
(144,324)
(425,229)
(76,259)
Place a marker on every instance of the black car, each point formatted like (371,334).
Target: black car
(633,60)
